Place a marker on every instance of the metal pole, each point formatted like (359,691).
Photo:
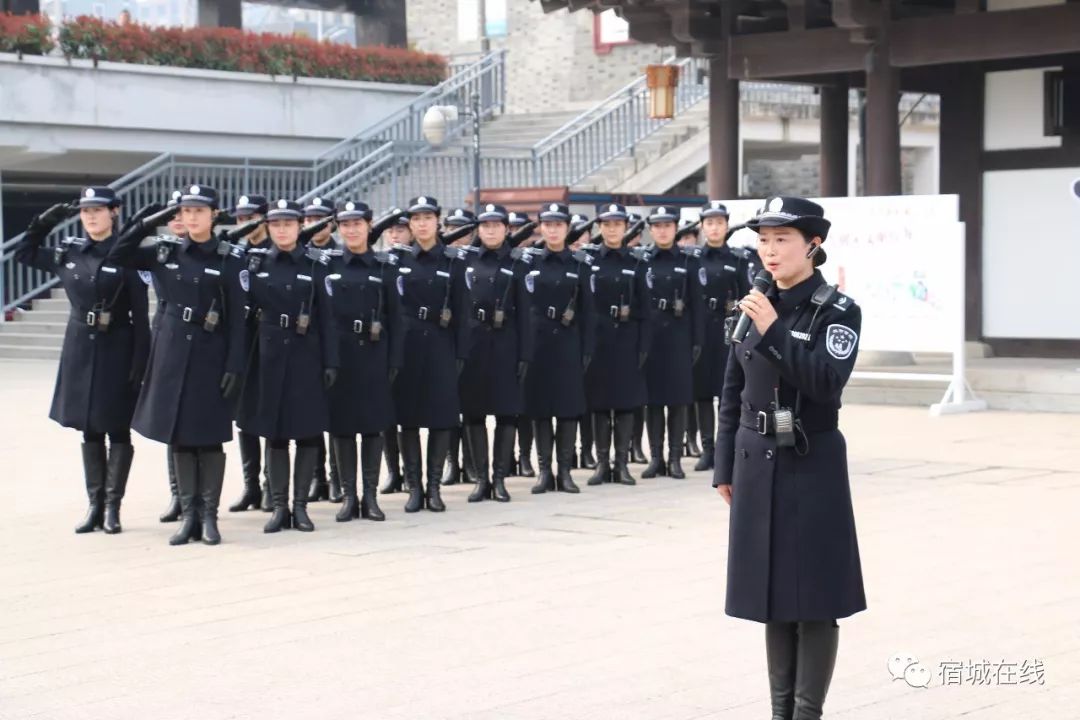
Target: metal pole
(3,265)
(476,150)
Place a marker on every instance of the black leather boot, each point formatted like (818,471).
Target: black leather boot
(95,469)
(251,465)
(501,456)
(705,415)
(692,447)
(525,448)
(267,499)
(211,480)
(438,444)
(395,481)
(116,477)
(307,457)
(781,647)
(637,451)
(187,484)
(588,441)
(477,440)
(624,428)
(654,421)
(332,476)
(277,462)
(816,659)
(371,452)
(344,451)
(468,462)
(319,488)
(601,422)
(410,460)
(452,476)
(676,432)
(545,444)
(172,512)
(565,434)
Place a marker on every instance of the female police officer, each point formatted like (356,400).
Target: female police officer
(521,235)
(560,301)
(198,353)
(371,345)
(431,283)
(615,382)
(499,355)
(675,287)
(781,462)
(298,359)
(105,346)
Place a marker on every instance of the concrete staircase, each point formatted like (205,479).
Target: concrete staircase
(505,134)
(38,333)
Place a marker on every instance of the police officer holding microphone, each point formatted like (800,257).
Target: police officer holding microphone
(781,461)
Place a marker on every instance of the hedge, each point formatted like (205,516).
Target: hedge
(25,34)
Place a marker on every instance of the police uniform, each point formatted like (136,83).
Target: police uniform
(103,355)
(675,284)
(725,285)
(793,556)
(371,342)
(564,333)
(522,230)
(298,362)
(500,351)
(431,284)
(186,398)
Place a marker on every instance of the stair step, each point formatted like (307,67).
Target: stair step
(45,316)
(32,340)
(19,352)
(29,325)
(52,304)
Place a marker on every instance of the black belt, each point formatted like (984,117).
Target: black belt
(92,317)
(718,305)
(282,320)
(357,326)
(424,313)
(487,316)
(664,304)
(187,314)
(764,422)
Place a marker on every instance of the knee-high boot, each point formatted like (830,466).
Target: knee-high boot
(545,444)
(371,450)
(95,468)
(588,441)
(624,428)
(438,444)
(706,421)
(676,432)
(410,460)
(277,462)
(693,446)
(525,448)
(267,498)
(477,440)
(307,457)
(654,421)
(395,481)
(344,451)
(319,489)
(332,476)
(601,422)
(781,648)
(637,450)
(251,464)
(501,457)
(172,512)
(452,476)
(116,477)
(187,483)
(565,433)
(816,659)
(211,480)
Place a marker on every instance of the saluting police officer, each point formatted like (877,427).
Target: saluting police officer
(398,239)
(564,335)
(522,234)
(675,287)
(500,353)
(298,359)
(781,462)
(194,374)
(105,346)
(725,284)
(252,208)
(371,339)
(615,382)
(431,283)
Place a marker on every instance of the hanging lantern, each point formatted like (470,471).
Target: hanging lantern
(661,81)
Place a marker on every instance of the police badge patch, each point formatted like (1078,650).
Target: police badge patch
(530,281)
(329,282)
(649,278)
(592,284)
(146,276)
(401,285)
(245,280)
(702,276)
(469,278)
(841,341)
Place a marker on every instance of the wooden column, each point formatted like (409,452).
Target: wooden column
(834,139)
(882,123)
(723,171)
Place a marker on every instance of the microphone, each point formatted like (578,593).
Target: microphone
(762,282)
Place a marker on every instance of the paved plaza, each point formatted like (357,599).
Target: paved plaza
(605,605)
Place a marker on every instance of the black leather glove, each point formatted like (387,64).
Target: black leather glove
(230,382)
(329,377)
(522,371)
(642,358)
(46,221)
(152,222)
(142,213)
(392,375)
(460,366)
(585,362)
(695,354)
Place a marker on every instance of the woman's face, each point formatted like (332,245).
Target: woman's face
(98,221)
(783,253)
(323,235)
(554,232)
(399,234)
(492,234)
(355,234)
(198,221)
(423,226)
(663,234)
(284,232)
(176,226)
(612,232)
(715,228)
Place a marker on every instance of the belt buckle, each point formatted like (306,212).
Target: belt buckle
(713,303)
(358,326)
(422,313)
(614,311)
(187,314)
(481,315)
(283,320)
(662,303)
(762,422)
(91,318)
(551,312)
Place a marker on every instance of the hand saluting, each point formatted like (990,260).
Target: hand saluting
(758,308)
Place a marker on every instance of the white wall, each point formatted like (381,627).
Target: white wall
(1014,111)
(1031,252)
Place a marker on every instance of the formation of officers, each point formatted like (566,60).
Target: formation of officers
(558,327)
